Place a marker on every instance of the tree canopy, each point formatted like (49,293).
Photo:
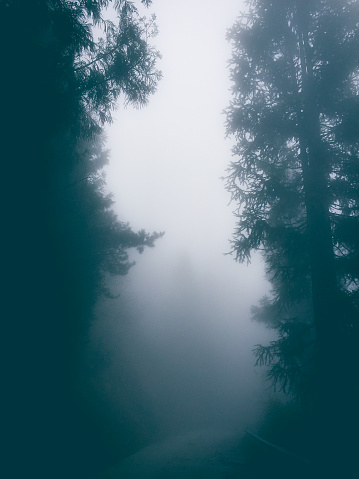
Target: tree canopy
(294,177)
(65,67)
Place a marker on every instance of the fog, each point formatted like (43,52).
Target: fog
(186,345)
(173,353)
(116,372)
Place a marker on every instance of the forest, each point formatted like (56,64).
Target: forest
(293,182)
(294,115)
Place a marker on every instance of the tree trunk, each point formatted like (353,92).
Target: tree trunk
(334,411)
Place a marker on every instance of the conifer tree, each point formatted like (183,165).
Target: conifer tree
(64,67)
(295,116)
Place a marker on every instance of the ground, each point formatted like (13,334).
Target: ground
(196,454)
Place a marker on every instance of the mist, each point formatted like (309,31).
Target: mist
(140,164)
(173,353)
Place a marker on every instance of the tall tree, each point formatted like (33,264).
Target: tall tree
(65,66)
(295,118)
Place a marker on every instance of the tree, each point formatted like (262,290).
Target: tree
(88,234)
(295,117)
(65,66)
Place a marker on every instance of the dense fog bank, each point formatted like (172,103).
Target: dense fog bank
(173,352)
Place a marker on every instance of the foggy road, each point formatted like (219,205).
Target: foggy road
(181,280)
(204,453)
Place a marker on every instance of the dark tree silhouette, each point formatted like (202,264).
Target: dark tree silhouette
(295,118)
(64,67)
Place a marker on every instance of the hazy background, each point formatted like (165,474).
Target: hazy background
(167,159)
(173,353)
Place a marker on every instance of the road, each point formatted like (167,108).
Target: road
(207,454)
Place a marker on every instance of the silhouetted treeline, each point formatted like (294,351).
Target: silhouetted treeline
(295,178)
(58,88)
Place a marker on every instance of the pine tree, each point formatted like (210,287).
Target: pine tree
(65,66)
(295,118)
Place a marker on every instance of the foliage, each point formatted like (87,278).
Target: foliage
(89,235)
(65,66)
(294,116)
(78,63)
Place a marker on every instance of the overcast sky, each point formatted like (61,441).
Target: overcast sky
(167,159)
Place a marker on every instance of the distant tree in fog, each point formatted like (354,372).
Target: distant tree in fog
(295,178)
(65,66)
(88,232)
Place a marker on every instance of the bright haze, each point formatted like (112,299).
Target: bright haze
(178,340)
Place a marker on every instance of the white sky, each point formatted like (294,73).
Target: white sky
(167,159)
